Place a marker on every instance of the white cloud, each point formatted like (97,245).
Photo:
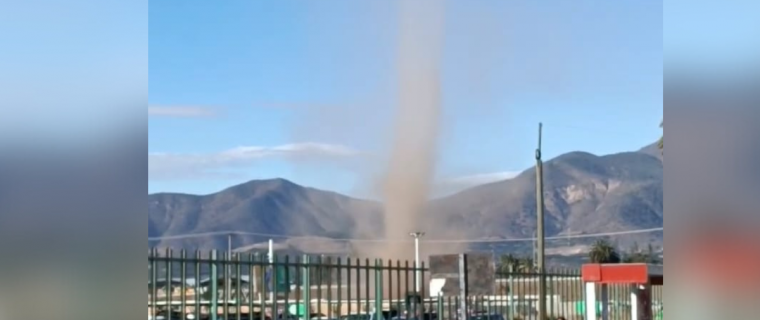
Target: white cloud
(457,184)
(173,166)
(180,111)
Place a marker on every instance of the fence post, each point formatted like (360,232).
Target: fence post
(551,293)
(306,287)
(378,289)
(464,304)
(183,278)
(510,301)
(153,279)
(440,305)
(214,278)
(169,283)
(273,294)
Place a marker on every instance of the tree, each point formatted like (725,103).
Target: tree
(508,263)
(527,265)
(638,256)
(602,251)
(511,263)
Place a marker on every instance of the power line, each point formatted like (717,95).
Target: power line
(591,129)
(276,236)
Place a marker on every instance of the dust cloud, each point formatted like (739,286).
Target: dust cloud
(411,165)
(405,185)
(412,158)
(404,139)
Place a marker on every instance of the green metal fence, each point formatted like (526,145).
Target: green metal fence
(215,285)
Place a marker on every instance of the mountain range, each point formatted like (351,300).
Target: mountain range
(584,194)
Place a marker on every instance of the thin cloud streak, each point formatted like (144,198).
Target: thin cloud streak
(181,112)
(453,185)
(478,179)
(173,166)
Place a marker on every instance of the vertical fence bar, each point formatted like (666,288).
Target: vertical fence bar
(406,287)
(330,286)
(152,285)
(238,288)
(569,292)
(398,287)
(576,291)
(294,277)
(268,308)
(339,269)
(252,288)
(213,282)
(552,277)
(388,285)
(183,283)
(265,309)
(378,289)
(560,290)
(580,292)
(274,280)
(307,286)
(226,284)
(367,284)
(286,302)
(463,286)
(439,305)
(298,278)
(566,282)
(318,269)
(169,283)
(423,287)
(510,290)
(349,289)
(357,284)
(457,307)
(196,284)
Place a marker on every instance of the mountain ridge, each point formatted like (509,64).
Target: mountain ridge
(584,193)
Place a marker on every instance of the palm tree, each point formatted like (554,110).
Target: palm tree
(511,263)
(527,264)
(602,251)
(505,262)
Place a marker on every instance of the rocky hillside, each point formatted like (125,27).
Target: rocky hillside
(584,193)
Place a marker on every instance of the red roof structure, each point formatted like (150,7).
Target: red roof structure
(639,276)
(622,273)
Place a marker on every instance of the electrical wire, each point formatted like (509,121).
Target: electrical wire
(453,241)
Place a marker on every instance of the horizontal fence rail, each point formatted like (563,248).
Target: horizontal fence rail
(222,286)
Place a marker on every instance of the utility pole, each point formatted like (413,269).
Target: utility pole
(417,274)
(540,226)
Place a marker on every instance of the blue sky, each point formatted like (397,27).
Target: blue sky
(304,90)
